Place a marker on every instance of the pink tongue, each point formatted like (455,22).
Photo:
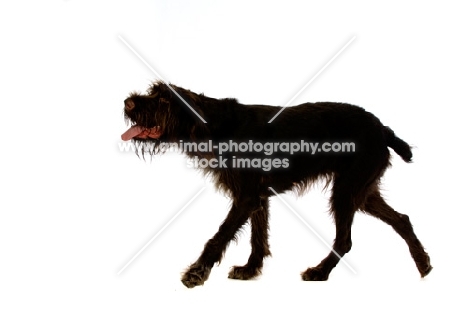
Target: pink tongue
(132,132)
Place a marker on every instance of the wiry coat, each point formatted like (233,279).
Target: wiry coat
(354,175)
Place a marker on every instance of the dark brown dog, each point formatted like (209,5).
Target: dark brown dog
(161,116)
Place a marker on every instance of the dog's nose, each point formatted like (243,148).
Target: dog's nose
(129,104)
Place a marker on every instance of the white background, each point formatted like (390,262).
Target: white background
(74,209)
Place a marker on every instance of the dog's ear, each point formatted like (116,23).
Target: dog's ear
(159,90)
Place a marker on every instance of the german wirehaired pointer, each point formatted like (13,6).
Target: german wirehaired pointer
(250,173)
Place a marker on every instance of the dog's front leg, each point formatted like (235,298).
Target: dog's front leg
(259,242)
(199,271)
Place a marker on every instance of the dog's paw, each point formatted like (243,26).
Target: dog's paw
(425,268)
(195,275)
(244,272)
(314,274)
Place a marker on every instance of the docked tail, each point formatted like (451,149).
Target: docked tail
(399,146)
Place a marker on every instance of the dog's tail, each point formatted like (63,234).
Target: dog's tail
(399,146)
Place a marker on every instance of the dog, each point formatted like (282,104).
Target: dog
(171,114)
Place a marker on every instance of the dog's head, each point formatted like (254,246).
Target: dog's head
(161,116)
(149,114)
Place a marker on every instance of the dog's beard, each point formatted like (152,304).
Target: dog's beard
(151,147)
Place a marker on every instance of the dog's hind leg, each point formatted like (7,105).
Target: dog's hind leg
(199,271)
(343,203)
(259,243)
(377,207)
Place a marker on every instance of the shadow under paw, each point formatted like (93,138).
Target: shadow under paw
(314,274)
(195,275)
(244,272)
